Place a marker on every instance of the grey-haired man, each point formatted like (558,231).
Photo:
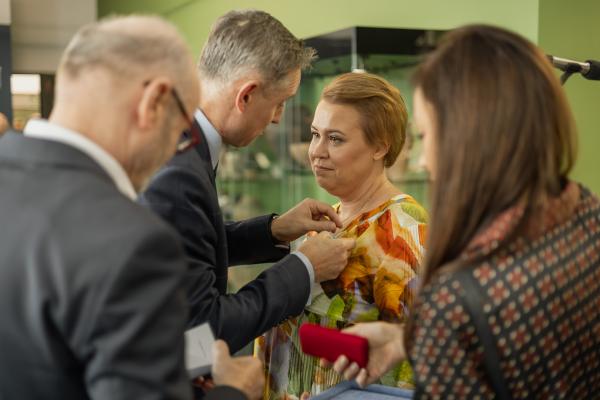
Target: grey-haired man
(249,66)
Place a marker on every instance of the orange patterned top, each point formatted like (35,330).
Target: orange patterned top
(378,283)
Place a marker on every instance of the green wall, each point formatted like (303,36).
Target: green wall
(561,27)
(570,29)
(312,17)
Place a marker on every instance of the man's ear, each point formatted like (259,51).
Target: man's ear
(152,102)
(246,94)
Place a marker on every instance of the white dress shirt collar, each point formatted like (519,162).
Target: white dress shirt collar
(42,129)
(213,137)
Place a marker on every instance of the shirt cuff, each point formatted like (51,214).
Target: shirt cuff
(311,272)
(279,245)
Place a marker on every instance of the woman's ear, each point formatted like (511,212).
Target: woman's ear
(152,102)
(380,151)
(246,94)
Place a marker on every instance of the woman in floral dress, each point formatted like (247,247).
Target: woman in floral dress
(358,130)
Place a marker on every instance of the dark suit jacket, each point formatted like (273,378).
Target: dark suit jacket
(184,194)
(90,283)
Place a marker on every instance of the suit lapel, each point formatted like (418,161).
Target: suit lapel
(204,152)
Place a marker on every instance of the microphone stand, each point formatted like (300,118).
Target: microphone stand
(590,69)
(570,70)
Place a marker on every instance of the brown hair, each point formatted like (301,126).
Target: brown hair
(382,109)
(504,134)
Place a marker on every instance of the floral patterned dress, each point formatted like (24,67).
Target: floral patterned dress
(378,283)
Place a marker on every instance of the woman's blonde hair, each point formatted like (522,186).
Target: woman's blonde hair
(380,105)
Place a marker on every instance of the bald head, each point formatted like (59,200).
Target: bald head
(126,47)
(120,82)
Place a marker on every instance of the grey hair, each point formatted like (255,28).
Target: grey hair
(125,46)
(252,40)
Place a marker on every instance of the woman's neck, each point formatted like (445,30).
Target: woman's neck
(364,198)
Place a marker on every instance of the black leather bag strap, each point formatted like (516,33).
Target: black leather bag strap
(474,302)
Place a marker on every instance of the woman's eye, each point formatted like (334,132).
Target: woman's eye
(335,139)
(314,134)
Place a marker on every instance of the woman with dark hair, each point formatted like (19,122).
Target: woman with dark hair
(510,299)
(358,130)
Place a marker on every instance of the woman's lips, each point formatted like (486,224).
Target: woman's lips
(319,168)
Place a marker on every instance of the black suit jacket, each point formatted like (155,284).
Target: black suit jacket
(90,283)
(184,194)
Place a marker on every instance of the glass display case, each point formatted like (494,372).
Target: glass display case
(273,174)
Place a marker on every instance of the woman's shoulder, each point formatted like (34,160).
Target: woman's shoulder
(404,204)
(455,281)
(450,279)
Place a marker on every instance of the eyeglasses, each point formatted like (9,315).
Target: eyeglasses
(190,137)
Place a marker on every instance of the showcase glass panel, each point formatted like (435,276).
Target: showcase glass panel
(273,174)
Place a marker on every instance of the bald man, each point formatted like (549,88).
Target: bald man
(90,282)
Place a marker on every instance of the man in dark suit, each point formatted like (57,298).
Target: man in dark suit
(250,65)
(90,282)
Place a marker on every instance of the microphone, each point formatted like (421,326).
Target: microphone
(590,69)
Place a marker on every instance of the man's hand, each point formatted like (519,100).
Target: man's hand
(386,349)
(327,255)
(308,215)
(242,373)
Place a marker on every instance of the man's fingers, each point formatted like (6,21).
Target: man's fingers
(325,234)
(322,226)
(347,243)
(220,350)
(320,209)
(204,383)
